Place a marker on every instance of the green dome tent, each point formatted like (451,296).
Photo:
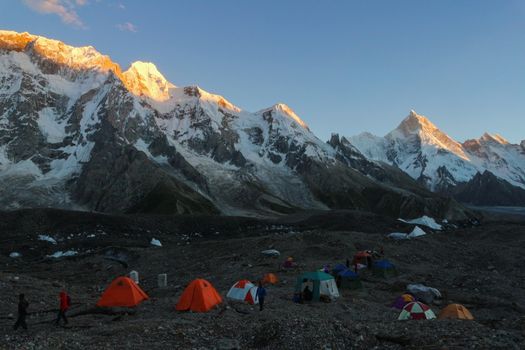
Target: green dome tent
(320,283)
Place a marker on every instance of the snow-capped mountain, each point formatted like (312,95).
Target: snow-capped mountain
(77,131)
(434,159)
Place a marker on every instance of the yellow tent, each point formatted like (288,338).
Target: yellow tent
(456,311)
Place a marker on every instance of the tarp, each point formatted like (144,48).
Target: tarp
(423,293)
(122,292)
(199,296)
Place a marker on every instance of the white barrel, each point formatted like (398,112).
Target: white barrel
(162,280)
(134,275)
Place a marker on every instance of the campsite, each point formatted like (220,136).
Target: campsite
(477,266)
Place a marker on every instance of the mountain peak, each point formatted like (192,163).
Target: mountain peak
(494,138)
(144,79)
(421,127)
(414,123)
(11,40)
(286,110)
(57,52)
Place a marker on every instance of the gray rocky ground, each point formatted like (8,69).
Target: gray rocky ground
(480,267)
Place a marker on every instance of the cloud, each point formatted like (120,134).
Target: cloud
(65,9)
(127,27)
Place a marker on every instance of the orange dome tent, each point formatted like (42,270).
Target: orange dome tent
(456,311)
(199,296)
(122,292)
(270,278)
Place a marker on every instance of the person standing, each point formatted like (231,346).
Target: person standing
(260,295)
(22,312)
(65,302)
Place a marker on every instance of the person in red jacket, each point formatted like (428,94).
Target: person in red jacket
(65,302)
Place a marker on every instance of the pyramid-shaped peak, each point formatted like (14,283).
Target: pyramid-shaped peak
(415,122)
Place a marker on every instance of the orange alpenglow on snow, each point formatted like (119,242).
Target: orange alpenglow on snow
(455,311)
(270,278)
(122,292)
(199,296)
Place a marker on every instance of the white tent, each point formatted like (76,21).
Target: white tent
(329,288)
(244,291)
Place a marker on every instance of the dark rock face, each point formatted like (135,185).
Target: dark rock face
(487,190)
(219,144)
(446,182)
(118,178)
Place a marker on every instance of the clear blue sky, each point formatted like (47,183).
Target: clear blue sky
(344,66)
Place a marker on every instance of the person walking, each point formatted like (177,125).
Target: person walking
(260,295)
(22,312)
(65,302)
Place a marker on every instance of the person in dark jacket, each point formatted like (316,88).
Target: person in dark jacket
(260,295)
(64,306)
(22,312)
(307,294)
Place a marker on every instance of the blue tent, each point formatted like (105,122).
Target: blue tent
(338,268)
(349,279)
(384,268)
(384,264)
(348,274)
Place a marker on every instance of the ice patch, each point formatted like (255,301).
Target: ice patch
(155,242)
(271,252)
(398,236)
(61,254)
(47,239)
(424,221)
(15,255)
(416,232)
